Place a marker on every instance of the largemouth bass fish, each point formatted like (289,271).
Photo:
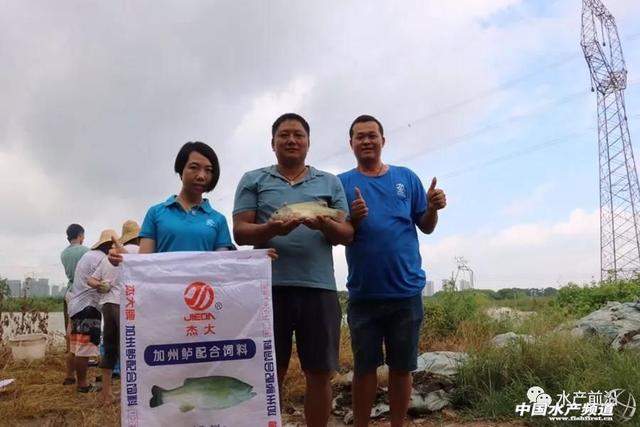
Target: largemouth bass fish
(214,392)
(306,210)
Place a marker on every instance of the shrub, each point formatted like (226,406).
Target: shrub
(582,300)
(444,313)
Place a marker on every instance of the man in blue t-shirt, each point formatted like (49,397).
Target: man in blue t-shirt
(385,268)
(305,300)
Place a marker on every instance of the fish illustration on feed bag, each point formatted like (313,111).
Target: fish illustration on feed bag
(307,210)
(213,392)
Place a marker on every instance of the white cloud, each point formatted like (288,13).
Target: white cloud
(522,255)
(255,125)
(521,235)
(579,223)
(532,201)
(26,188)
(530,254)
(248,146)
(478,9)
(95,105)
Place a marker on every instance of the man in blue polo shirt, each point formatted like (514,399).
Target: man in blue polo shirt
(385,269)
(304,290)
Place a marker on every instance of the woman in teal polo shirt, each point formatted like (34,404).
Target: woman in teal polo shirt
(187,222)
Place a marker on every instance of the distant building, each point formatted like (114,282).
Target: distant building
(62,289)
(40,288)
(464,284)
(35,287)
(14,288)
(428,289)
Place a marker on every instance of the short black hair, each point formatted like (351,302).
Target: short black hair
(289,116)
(73,231)
(205,150)
(363,119)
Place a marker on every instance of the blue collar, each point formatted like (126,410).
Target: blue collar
(204,205)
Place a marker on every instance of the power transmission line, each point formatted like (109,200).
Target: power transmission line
(526,150)
(564,58)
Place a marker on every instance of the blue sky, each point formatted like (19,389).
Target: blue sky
(491,97)
(532,158)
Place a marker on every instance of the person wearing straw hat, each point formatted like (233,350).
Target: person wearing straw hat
(106,280)
(83,309)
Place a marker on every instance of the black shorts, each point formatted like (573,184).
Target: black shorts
(314,315)
(394,323)
(110,335)
(85,332)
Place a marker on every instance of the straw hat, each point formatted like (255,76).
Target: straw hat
(105,236)
(130,230)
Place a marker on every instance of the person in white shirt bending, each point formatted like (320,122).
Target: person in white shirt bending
(108,282)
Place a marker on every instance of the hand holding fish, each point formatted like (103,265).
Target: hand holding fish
(116,251)
(288,217)
(359,209)
(316,215)
(282,227)
(435,196)
(317,223)
(308,210)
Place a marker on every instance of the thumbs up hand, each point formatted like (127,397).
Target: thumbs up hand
(359,209)
(435,196)
(116,251)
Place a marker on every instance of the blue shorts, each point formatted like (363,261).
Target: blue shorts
(394,323)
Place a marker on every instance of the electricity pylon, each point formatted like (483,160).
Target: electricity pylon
(619,189)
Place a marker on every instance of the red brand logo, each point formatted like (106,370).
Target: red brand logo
(198,296)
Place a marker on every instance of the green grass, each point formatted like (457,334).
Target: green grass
(45,304)
(543,321)
(497,379)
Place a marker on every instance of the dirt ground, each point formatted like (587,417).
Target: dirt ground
(448,419)
(39,399)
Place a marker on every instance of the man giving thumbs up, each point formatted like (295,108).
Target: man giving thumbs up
(385,268)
